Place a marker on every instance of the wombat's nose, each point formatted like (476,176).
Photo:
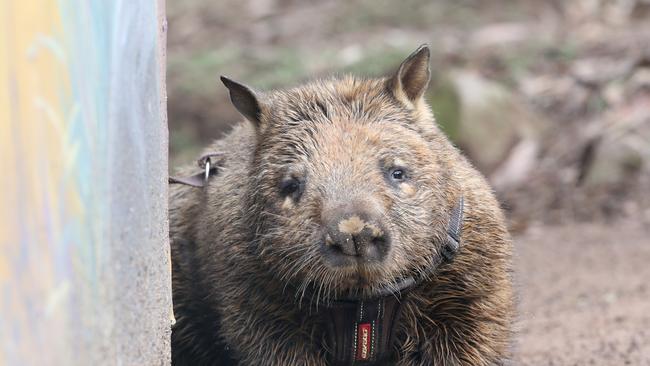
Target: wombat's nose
(356,235)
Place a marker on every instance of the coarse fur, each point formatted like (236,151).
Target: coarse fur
(244,253)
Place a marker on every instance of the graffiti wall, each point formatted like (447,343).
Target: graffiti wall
(84,257)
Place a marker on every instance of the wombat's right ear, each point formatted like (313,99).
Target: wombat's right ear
(244,99)
(412,78)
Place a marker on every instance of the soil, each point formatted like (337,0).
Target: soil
(584,295)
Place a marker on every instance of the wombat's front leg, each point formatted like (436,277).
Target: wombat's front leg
(270,336)
(425,357)
(454,332)
(279,350)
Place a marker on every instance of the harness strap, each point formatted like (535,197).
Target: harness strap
(209,164)
(195,180)
(454,229)
(361,333)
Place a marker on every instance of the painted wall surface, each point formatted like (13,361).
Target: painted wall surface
(84,254)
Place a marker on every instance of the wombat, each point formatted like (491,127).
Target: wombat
(339,189)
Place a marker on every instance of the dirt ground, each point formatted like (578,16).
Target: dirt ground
(584,295)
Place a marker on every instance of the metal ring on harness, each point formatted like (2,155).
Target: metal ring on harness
(201,178)
(207,170)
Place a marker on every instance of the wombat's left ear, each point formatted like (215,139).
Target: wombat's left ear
(412,78)
(244,99)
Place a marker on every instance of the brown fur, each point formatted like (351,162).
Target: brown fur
(243,255)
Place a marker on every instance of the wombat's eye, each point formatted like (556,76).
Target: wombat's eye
(290,187)
(397,175)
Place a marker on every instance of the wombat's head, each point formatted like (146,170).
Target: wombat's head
(350,183)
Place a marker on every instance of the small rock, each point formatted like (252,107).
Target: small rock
(614,93)
(597,71)
(492,120)
(623,147)
(610,297)
(517,166)
(638,82)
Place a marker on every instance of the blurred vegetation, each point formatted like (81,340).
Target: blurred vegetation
(270,44)
(530,90)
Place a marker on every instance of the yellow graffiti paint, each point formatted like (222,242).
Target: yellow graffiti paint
(34,90)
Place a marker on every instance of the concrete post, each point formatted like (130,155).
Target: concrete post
(84,252)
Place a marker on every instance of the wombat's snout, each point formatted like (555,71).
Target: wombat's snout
(354,232)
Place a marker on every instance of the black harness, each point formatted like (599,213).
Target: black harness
(361,331)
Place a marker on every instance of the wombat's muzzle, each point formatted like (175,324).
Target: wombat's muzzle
(354,232)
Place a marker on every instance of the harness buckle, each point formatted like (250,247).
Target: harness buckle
(207,171)
(209,164)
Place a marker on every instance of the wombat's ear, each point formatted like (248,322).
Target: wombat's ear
(244,99)
(412,77)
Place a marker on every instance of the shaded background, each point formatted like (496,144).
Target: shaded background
(550,100)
